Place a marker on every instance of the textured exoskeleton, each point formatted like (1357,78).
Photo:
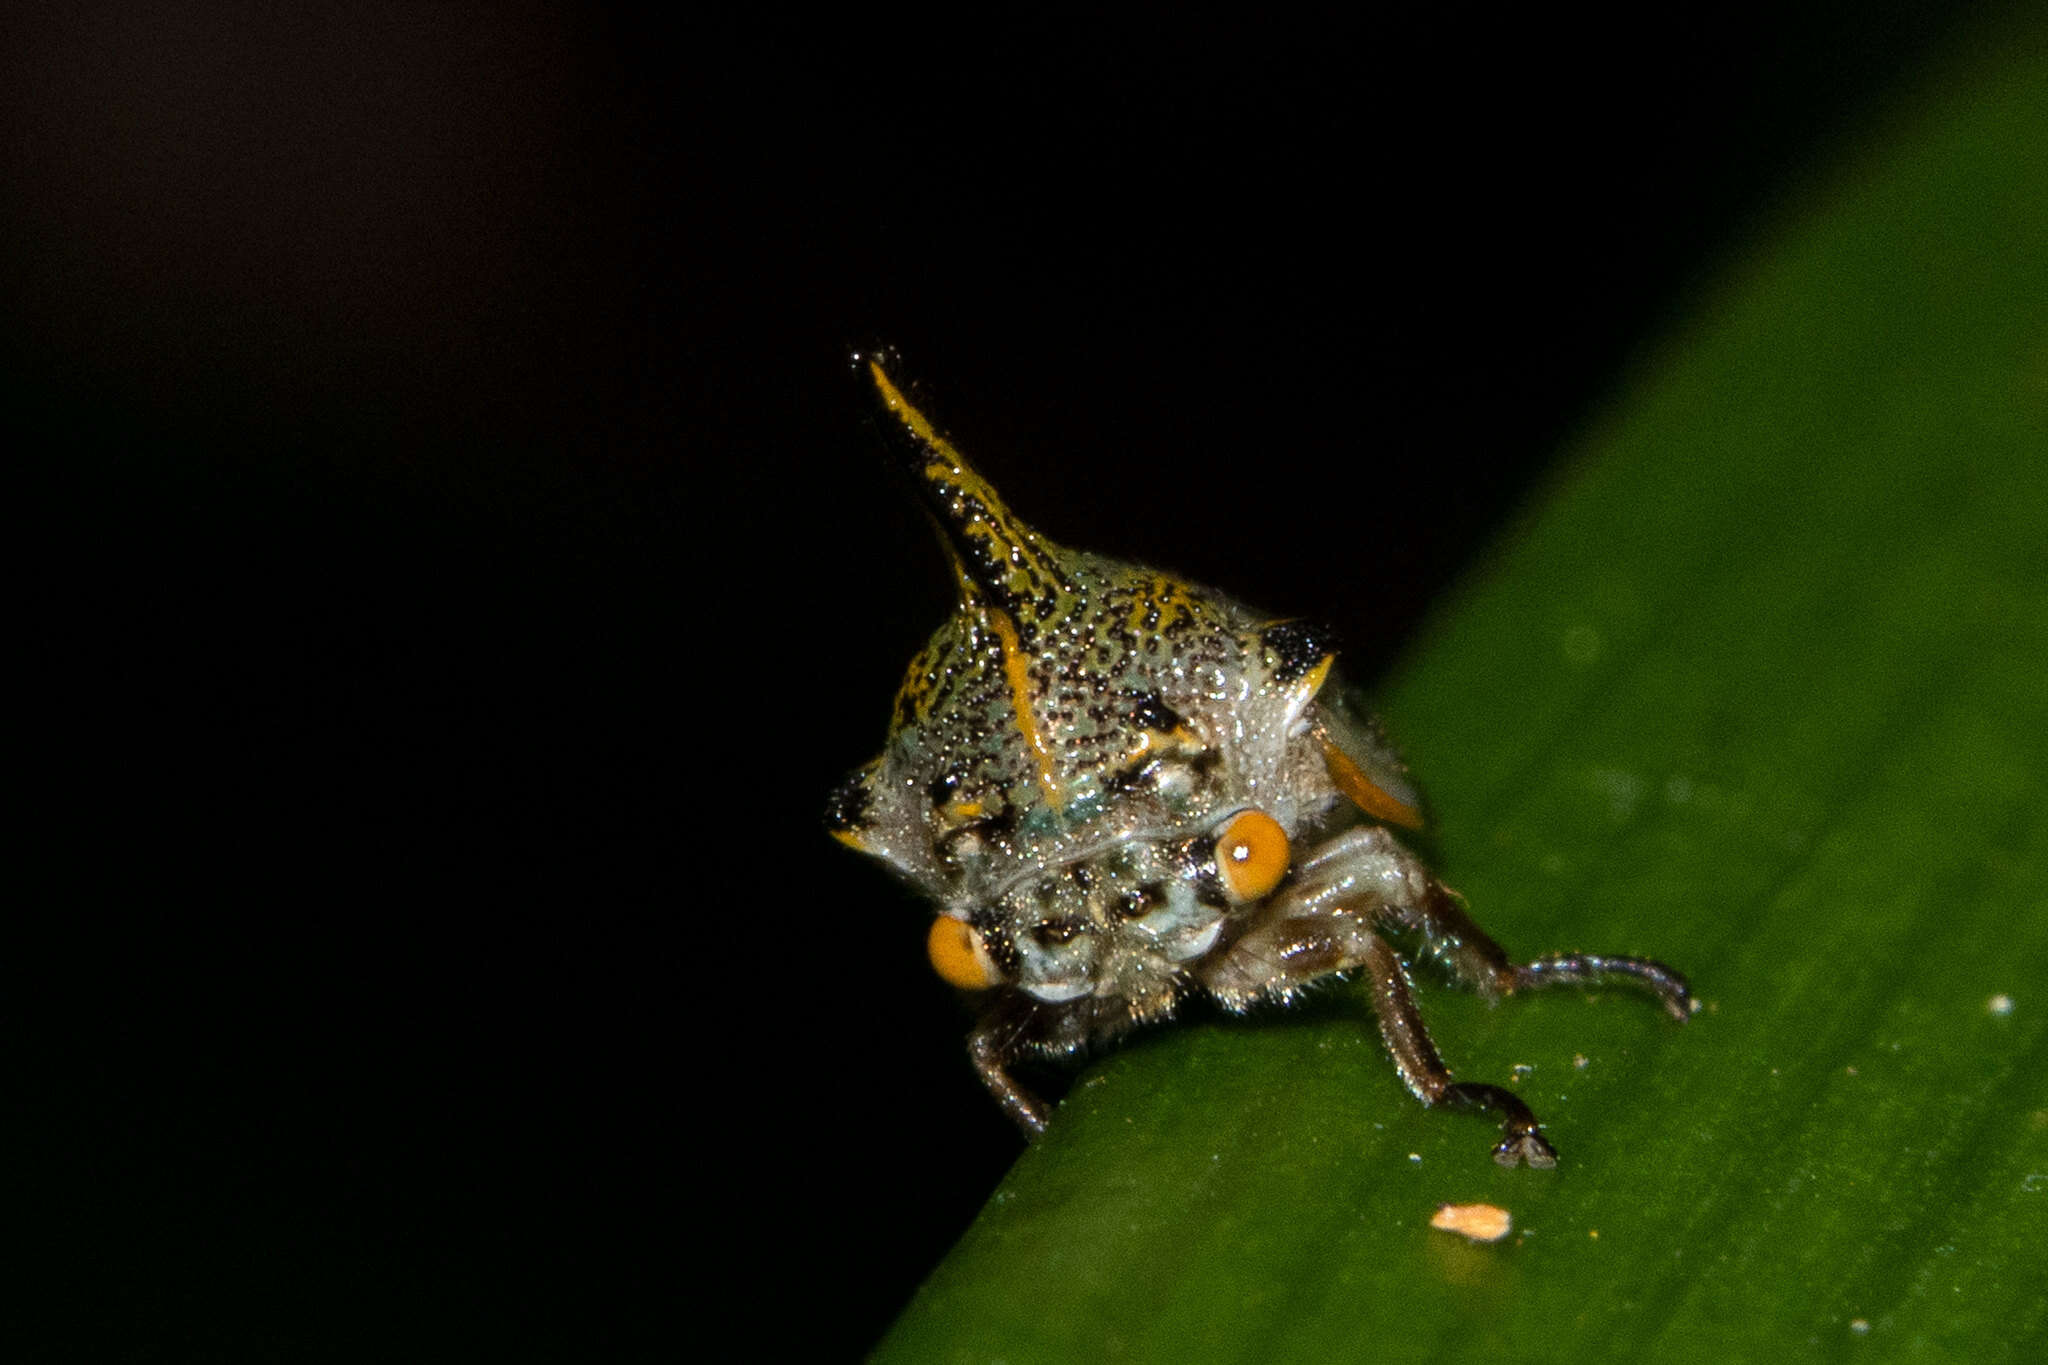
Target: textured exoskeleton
(1119,788)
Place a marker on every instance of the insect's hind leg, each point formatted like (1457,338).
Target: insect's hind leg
(1455,939)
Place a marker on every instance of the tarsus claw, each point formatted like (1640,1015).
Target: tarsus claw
(1517,1148)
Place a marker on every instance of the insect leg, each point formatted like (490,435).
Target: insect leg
(1282,954)
(1472,955)
(1594,969)
(990,1047)
(1416,1058)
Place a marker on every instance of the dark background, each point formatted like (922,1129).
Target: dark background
(454,569)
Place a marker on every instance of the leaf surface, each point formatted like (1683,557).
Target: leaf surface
(1758,687)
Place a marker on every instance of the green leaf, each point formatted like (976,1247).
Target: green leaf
(1759,688)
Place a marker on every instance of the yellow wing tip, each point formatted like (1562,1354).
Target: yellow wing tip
(1368,795)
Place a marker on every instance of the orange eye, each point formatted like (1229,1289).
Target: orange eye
(1251,854)
(957,955)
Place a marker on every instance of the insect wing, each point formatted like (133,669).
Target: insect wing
(1361,761)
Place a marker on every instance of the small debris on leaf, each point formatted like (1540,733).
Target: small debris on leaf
(1479,1222)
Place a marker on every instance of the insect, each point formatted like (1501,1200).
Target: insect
(1121,790)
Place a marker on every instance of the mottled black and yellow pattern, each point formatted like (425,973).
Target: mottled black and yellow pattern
(1037,701)
(1118,787)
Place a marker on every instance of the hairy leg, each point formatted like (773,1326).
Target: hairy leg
(1330,917)
(1279,955)
(1415,1057)
(992,1062)
(1368,868)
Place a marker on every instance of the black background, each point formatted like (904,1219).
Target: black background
(455,569)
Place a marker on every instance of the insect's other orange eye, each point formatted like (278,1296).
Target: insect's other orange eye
(958,956)
(1251,854)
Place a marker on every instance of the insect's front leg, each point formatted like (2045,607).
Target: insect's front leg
(997,1040)
(1289,950)
(1329,917)
(992,1063)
